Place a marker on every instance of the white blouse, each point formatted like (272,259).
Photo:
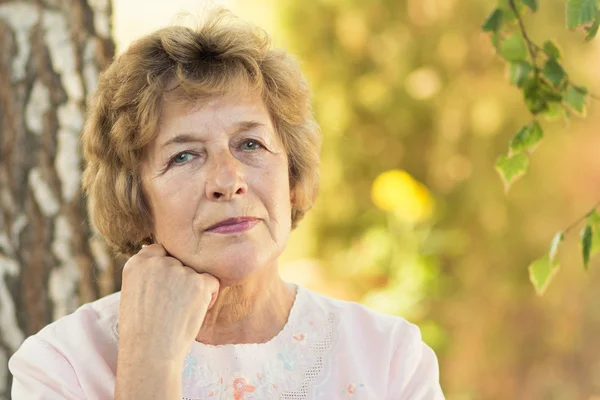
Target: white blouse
(328,349)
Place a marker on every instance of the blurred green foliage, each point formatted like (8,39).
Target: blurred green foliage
(415,108)
(537,71)
(547,90)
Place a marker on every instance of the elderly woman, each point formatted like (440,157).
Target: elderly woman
(202,155)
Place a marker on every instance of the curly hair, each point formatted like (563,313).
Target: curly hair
(218,56)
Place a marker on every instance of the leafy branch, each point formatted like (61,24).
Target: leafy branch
(542,270)
(547,91)
(533,48)
(580,220)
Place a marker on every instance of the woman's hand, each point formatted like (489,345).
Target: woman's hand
(163,305)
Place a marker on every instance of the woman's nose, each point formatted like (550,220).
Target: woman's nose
(225,178)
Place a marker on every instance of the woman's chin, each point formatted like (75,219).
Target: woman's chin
(234,269)
(230,274)
(233,263)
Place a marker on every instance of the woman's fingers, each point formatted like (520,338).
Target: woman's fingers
(212,287)
(156,250)
(163,304)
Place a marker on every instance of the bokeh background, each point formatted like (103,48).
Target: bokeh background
(412,218)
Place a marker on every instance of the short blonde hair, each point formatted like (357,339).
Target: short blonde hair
(123,116)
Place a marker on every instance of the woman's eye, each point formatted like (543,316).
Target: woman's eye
(182,158)
(250,145)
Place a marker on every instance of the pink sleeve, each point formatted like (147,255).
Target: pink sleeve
(414,373)
(40,372)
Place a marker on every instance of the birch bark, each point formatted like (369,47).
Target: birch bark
(51,261)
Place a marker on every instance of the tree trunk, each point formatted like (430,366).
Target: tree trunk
(51,260)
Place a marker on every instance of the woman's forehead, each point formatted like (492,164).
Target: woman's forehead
(222,111)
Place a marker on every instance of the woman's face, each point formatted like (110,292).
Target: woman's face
(219,162)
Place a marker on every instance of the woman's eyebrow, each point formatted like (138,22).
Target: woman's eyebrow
(244,126)
(186,137)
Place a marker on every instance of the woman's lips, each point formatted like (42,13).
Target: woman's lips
(233,225)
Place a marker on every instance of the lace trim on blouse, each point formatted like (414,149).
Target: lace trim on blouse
(286,368)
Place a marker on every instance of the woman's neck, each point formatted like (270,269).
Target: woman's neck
(253,312)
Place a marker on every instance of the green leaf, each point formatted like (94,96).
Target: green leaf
(527,138)
(559,237)
(575,99)
(512,168)
(509,14)
(495,37)
(494,21)
(513,48)
(595,243)
(554,72)
(519,72)
(593,218)
(535,99)
(580,12)
(549,93)
(551,49)
(554,111)
(593,30)
(541,272)
(532,4)
(586,244)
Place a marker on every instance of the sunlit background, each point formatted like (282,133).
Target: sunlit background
(412,219)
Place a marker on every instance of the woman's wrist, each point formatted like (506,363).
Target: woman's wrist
(147,378)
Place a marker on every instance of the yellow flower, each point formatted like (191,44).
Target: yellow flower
(398,192)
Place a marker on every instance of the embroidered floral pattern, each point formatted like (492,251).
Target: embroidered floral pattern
(353,389)
(283,368)
(299,337)
(201,374)
(240,387)
(289,357)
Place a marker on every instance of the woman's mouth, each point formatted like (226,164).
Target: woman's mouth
(233,225)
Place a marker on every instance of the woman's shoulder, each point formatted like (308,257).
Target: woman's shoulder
(354,312)
(375,351)
(92,320)
(365,324)
(87,333)
(71,355)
